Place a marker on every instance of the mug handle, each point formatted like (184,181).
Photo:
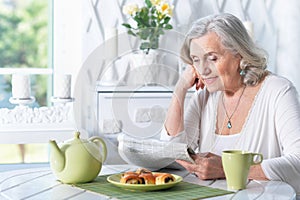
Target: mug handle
(260,158)
(103,145)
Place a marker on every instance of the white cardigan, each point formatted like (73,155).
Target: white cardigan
(272,128)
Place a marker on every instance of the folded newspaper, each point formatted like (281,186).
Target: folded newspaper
(152,153)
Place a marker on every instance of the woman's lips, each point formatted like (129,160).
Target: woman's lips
(210,80)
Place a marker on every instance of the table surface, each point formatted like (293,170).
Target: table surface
(40,183)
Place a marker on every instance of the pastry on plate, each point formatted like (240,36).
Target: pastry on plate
(145,176)
(163,178)
(131,178)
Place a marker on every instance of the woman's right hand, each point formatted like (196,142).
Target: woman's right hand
(174,119)
(189,78)
(207,166)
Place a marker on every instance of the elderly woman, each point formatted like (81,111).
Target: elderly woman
(242,105)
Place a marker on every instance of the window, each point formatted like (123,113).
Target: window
(25,46)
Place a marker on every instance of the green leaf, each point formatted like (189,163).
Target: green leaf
(153,10)
(126,25)
(142,20)
(168,26)
(148,3)
(139,21)
(166,20)
(144,12)
(130,32)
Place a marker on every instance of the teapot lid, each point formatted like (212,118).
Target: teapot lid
(77,139)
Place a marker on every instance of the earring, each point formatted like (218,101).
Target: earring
(243,72)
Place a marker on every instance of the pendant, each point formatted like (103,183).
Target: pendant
(229,124)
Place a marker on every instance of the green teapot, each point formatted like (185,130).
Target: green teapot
(77,160)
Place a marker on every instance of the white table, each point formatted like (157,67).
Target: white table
(40,183)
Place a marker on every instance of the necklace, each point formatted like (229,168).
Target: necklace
(229,125)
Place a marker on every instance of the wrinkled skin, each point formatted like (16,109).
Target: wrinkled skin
(207,166)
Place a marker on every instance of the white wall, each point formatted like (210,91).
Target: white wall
(286,16)
(275,25)
(79,27)
(67,39)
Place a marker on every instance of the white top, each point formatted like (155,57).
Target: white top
(272,128)
(225,142)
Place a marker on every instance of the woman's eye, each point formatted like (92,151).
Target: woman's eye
(212,58)
(196,60)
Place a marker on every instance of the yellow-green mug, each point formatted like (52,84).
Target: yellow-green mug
(236,165)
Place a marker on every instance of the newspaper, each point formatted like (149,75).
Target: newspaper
(152,153)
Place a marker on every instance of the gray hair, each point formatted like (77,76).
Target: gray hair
(235,38)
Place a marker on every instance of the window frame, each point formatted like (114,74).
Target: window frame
(38,132)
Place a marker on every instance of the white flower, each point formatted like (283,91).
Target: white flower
(130,9)
(156,2)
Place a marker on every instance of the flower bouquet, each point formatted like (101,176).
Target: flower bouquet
(150,22)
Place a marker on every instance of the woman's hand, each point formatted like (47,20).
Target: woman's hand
(175,114)
(189,78)
(207,166)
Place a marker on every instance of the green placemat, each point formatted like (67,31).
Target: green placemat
(183,190)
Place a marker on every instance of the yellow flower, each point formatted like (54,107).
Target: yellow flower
(157,15)
(130,9)
(165,9)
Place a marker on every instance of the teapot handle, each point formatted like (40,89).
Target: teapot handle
(103,145)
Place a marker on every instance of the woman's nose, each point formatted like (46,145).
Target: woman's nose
(203,69)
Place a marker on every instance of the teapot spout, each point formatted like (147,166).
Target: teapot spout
(57,159)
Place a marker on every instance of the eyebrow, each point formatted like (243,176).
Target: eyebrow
(206,54)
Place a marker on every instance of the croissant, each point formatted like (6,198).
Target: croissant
(162,178)
(145,176)
(148,178)
(131,178)
(143,171)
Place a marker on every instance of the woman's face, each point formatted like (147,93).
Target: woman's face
(218,67)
